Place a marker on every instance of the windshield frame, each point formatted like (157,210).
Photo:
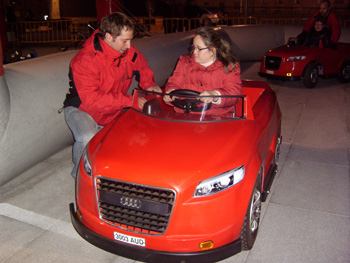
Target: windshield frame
(156,107)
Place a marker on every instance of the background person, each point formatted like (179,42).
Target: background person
(100,76)
(210,68)
(319,36)
(332,22)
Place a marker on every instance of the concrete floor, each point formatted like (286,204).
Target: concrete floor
(305,219)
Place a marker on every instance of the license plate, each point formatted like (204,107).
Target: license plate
(137,241)
(270,72)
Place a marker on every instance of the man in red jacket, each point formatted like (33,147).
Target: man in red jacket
(332,20)
(100,76)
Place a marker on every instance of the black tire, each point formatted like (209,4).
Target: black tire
(310,75)
(344,74)
(251,222)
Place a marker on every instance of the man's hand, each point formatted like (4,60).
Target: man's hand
(155,89)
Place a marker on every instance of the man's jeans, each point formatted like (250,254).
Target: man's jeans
(83,127)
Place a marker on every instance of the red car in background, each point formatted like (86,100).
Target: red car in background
(298,62)
(159,185)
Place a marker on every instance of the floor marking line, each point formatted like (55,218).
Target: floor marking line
(37,220)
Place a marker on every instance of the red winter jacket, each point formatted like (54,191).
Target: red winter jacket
(191,75)
(332,24)
(101,76)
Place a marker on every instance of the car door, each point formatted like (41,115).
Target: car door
(329,58)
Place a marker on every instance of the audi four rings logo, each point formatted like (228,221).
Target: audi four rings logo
(130,202)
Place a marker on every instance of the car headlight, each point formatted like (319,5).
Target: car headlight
(220,182)
(296,58)
(86,163)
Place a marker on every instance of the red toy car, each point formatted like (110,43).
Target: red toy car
(159,185)
(295,62)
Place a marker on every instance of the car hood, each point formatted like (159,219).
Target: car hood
(286,51)
(146,150)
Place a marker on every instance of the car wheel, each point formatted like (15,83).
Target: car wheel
(344,75)
(252,218)
(310,75)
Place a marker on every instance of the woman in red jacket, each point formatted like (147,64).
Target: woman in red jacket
(210,68)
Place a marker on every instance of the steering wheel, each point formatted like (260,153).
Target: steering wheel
(190,101)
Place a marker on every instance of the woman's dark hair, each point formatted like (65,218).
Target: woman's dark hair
(224,53)
(114,24)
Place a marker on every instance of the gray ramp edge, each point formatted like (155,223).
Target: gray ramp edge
(32,91)
(4,106)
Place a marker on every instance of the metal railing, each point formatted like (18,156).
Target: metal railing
(76,29)
(65,30)
(284,21)
(173,25)
(83,27)
(40,32)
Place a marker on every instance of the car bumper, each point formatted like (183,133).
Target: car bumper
(149,255)
(278,77)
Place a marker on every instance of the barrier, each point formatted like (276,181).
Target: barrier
(52,31)
(34,90)
(284,21)
(41,32)
(175,25)
(31,129)
(76,29)
(4,100)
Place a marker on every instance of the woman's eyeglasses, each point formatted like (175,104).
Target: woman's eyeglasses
(193,48)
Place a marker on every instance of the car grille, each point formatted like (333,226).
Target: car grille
(135,207)
(272,62)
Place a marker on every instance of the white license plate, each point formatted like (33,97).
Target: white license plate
(270,72)
(137,241)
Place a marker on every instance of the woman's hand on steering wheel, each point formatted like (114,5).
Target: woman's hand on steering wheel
(168,98)
(209,93)
(187,100)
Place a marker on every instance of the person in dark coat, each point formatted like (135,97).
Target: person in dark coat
(319,36)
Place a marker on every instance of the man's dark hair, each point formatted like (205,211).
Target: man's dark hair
(326,1)
(114,24)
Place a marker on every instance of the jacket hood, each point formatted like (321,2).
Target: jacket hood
(217,64)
